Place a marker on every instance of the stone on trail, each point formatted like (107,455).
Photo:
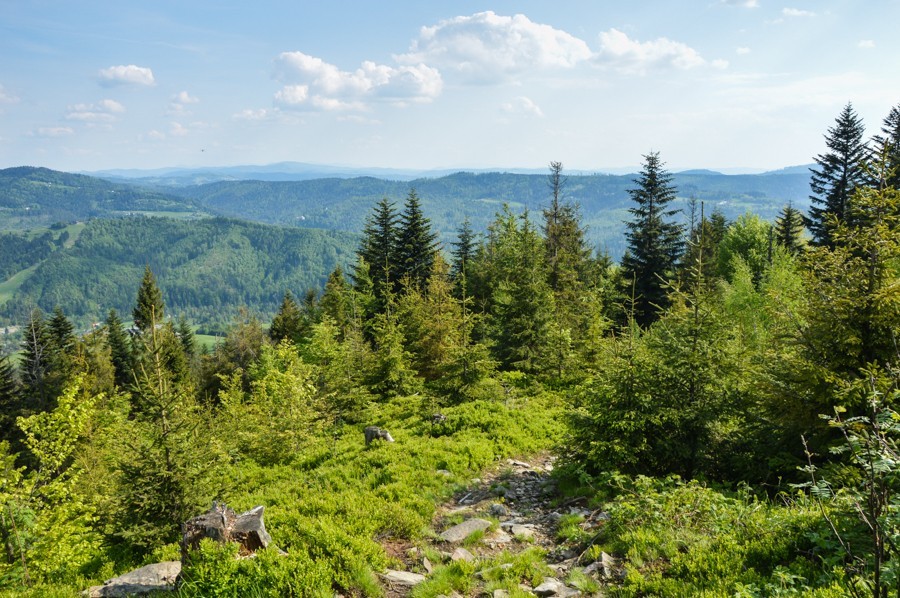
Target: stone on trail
(461,554)
(404,579)
(460,532)
(159,577)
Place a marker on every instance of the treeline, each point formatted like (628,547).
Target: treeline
(211,267)
(342,203)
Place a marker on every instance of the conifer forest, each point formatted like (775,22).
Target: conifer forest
(714,413)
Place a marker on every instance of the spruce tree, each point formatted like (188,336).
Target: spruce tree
(120,350)
(288,321)
(416,244)
(10,404)
(839,172)
(886,147)
(150,306)
(654,240)
(789,228)
(462,254)
(335,303)
(378,250)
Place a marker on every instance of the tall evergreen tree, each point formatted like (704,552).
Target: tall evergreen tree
(61,333)
(789,228)
(416,244)
(10,404)
(378,250)
(150,306)
(886,146)
(462,256)
(335,303)
(839,172)
(288,321)
(120,350)
(654,240)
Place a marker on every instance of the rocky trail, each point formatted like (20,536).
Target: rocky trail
(511,509)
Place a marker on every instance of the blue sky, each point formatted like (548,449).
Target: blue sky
(718,84)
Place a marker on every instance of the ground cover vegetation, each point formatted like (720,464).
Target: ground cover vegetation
(725,397)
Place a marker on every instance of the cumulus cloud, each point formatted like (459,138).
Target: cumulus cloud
(487,47)
(743,3)
(103,112)
(312,83)
(743,50)
(53,131)
(796,12)
(866,43)
(254,115)
(126,75)
(622,53)
(522,105)
(179,103)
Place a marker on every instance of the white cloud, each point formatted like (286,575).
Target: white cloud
(866,43)
(6,97)
(255,115)
(487,47)
(622,53)
(743,3)
(156,135)
(184,97)
(743,50)
(53,131)
(126,75)
(103,112)
(312,83)
(523,105)
(178,130)
(796,12)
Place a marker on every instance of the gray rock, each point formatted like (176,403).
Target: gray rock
(554,587)
(498,510)
(460,532)
(500,594)
(404,579)
(461,554)
(159,577)
(499,537)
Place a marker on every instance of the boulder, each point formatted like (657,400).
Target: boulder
(460,532)
(159,577)
(461,554)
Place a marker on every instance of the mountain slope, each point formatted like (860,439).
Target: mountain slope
(206,268)
(33,197)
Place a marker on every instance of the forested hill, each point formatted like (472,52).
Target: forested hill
(33,197)
(344,203)
(207,268)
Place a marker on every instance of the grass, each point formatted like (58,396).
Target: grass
(9,287)
(338,498)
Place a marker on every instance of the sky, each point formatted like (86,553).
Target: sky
(596,85)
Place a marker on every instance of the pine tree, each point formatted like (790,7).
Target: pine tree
(886,146)
(522,300)
(120,350)
(462,255)
(61,333)
(567,257)
(288,321)
(335,302)
(10,403)
(378,250)
(416,244)
(839,173)
(654,241)
(789,229)
(150,306)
